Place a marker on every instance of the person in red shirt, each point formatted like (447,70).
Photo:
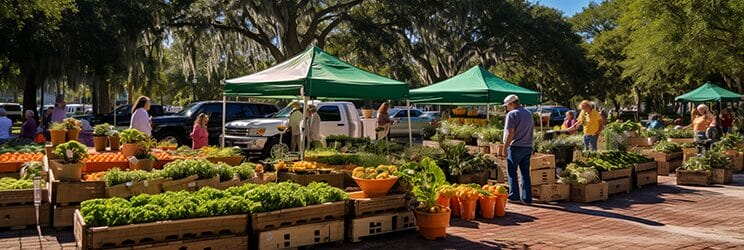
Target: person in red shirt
(727,120)
(200,135)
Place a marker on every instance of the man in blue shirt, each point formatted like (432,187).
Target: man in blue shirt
(518,141)
(655,123)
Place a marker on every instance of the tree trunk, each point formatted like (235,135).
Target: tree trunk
(104,102)
(29,92)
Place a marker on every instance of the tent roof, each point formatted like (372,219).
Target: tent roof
(473,87)
(322,75)
(709,92)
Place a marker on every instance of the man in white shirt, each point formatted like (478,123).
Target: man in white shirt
(5,126)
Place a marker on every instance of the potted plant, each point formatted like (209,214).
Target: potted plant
(100,136)
(74,127)
(70,155)
(130,139)
(113,138)
(145,161)
(426,178)
(57,132)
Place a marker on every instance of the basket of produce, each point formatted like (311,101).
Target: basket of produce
(375,182)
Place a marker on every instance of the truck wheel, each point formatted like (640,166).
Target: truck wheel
(266,152)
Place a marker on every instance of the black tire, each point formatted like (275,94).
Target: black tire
(266,152)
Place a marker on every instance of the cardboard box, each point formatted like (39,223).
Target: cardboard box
(552,192)
(618,186)
(589,192)
(304,235)
(380,224)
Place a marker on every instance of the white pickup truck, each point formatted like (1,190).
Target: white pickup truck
(258,136)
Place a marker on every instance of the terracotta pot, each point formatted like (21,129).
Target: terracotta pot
(143,164)
(70,172)
(57,136)
(432,226)
(367,113)
(455,206)
(129,149)
(487,206)
(114,143)
(467,209)
(500,209)
(72,134)
(376,188)
(99,142)
(443,201)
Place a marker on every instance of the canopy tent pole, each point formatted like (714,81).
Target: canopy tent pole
(488,113)
(304,126)
(224,112)
(539,111)
(410,133)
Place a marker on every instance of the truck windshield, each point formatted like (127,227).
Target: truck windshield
(283,113)
(186,111)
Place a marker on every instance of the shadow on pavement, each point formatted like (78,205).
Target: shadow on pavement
(410,239)
(510,219)
(577,208)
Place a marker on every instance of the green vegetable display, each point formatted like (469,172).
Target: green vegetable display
(72,123)
(206,202)
(458,161)
(226,172)
(610,160)
(215,152)
(9,183)
(426,178)
(680,133)
(730,141)
(575,173)
(180,169)
(71,151)
(21,147)
(667,147)
(658,134)
(132,136)
(31,169)
(115,176)
(57,126)
(102,129)
(245,171)
(709,160)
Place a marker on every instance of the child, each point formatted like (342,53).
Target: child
(200,135)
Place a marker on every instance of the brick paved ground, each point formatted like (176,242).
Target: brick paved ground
(659,217)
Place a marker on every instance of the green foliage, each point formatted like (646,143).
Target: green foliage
(221,152)
(710,159)
(245,171)
(180,169)
(71,151)
(654,133)
(667,147)
(10,183)
(383,147)
(577,174)
(115,176)
(102,129)
(426,178)
(551,146)
(72,124)
(680,133)
(730,141)
(458,161)
(419,152)
(58,126)
(491,134)
(226,172)
(32,169)
(133,136)
(610,160)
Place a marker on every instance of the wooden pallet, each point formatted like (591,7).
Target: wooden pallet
(722,176)
(380,224)
(645,166)
(303,235)
(644,178)
(63,216)
(542,176)
(333,179)
(360,205)
(589,192)
(217,242)
(551,192)
(19,217)
(156,232)
(665,168)
(694,178)
(616,174)
(21,197)
(617,186)
(663,157)
(298,216)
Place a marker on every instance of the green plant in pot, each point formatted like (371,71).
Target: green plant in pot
(70,155)
(58,133)
(74,126)
(426,178)
(144,161)
(113,139)
(100,136)
(131,140)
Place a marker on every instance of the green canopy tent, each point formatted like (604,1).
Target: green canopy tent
(475,86)
(314,74)
(709,93)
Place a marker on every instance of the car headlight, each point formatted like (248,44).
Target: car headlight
(261,131)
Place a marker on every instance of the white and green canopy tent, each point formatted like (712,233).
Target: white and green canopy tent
(315,74)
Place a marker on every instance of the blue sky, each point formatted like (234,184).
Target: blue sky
(569,7)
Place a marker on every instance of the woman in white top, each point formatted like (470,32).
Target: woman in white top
(140,118)
(5,126)
(313,132)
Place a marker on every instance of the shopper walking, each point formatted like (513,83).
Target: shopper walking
(592,121)
(295,118)
(200,134)
(140,118)
(313,127)
(383,121)
(60,111)
(518,142)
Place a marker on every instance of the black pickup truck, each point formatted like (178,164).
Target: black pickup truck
(123,115)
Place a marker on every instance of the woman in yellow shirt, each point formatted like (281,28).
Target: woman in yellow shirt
(701,121)
(592,122)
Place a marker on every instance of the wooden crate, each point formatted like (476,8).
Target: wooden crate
(694,178)
(190,184)
(542,176)
(92,167)
(665,168)
(63,216)
(646,178)
(22,216)
(232,161)
(480,178)
(217,242)
(88,237)
(722,176)
(640,141)
(616,174)
(360,205)
(10,167)
(298,216)
(333,179)
(589,192)
(478,149)
(618,186)
(645,166)
(687,153)
(136,188)
(497,149)
(431,144)
(681,140)
(380,224)
(551,192)
(22,197)
(738,162)
(663,157)
(542,161)
(304,235)
(71,193)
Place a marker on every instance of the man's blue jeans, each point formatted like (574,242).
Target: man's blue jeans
(519,157)
(590,142)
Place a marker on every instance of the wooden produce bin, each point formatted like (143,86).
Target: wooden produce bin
(298,216)
(681,140)
(497,149)
(232,161)
(23,216)
(645,166)
(645,178)
(640,142)
(175,231)
(687,153)
(67,196)
(551,192)
(127,190)
(589,192)
(663,157)
(542,176)
(380,224)
(722,176)
(618,186)
(361,206)
(431,144)
(333,179)
(665,168)
(694,178)
(616,174)
(302,235)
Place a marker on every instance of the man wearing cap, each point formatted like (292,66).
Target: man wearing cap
(60,112)
(518,142)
